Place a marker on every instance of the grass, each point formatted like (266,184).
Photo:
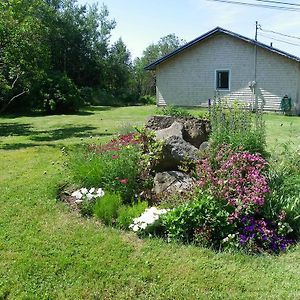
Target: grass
(49,252)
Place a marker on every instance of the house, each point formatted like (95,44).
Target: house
(225,64)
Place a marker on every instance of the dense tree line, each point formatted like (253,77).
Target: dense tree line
(56,54)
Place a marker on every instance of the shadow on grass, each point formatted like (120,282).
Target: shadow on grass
(101,108)
(84,112)
(17,146)
(16,129)
(65,133)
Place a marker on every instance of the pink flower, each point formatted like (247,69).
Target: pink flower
(123,181)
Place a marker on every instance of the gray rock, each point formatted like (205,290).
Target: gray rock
(174,130)
(159,122)
(196,131)
(204,146)
(176,150)
(172,182)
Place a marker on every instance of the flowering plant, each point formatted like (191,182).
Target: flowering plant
(147,221)
(85,194)
(86,199)
(258,234)
(238,179)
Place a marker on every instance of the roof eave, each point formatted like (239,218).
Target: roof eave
(153,65)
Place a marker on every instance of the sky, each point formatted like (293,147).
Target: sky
(142,22)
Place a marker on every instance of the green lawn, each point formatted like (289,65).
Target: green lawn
(49,252)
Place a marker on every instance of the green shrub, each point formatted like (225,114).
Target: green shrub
(235,125)
(127,213)
(115,171)
(284,182)
(147,100)
(203,220)
(106,208)
(59,94)
(174,111)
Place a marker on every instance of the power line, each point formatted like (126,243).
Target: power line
(279,33)
(279,40)
(286,8)
(278,2)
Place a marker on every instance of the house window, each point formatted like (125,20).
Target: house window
(222,79)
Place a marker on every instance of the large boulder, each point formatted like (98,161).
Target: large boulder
(174,130)
(172,182)
(195,131)
(175,151)
(159,122)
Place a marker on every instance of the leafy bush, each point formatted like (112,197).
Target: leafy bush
(174,111)
(203,220)
(114,166)
(235,126)
(127,213)
(59,94)
(237,178)
(107,207)
(258,234)
(147,100)
(86,94)
(284,182)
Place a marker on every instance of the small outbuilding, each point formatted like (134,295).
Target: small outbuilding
(225,64)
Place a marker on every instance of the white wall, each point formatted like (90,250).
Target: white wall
(189,78)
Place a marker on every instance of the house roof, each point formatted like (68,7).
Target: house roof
(214,31)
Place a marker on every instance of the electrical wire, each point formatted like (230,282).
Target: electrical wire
(278,2)
(286,8)
(278,40)
(279,33)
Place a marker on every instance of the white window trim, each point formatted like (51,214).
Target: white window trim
(229,79)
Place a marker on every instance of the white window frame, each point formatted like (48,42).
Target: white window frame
(229,79)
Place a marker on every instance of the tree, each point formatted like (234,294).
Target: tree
(119,70)
(145,81)
(23,54)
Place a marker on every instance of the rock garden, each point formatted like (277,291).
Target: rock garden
(210,181)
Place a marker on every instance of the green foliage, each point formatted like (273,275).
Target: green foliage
(106,208)
(147,100)
(144,82)
(174,111)
(115,171)
(284,182)
(59,94)
(203,220)
(24,53)
(127,213)
(234,125)
(286,105)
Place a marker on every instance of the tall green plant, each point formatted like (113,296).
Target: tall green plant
(236,126)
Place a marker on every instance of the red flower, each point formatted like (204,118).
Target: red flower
(115,156)
(124,180)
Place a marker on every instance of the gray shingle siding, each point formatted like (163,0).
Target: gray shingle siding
(188,78)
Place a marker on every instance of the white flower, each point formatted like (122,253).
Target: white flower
(89,196)
(148,217)
(78,201)
(100,193)
(84,190)
(77,194)
(92,190)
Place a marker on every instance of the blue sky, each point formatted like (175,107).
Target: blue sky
(141,22)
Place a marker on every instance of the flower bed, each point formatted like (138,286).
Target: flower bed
(236,204)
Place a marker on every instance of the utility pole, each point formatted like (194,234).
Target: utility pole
(255,68)
(256,27)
